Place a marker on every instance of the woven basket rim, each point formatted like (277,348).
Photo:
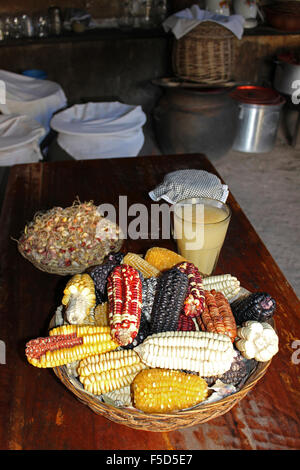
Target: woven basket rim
(208,29)
(84,396)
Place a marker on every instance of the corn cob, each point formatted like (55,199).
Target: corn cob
(194,302)
(101,314)
(148,293)
(225,283)
(144,331)
(163,391)
(168,302)
(124,289)
(217,315)
(69,343)
(258,306)
(185,323)
(139,263)
(79,298)
(104,373)
(239,371)
(120,397)
(100,273)
(162,258)
(206,353)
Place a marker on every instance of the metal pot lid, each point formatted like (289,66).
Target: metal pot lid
(259,95)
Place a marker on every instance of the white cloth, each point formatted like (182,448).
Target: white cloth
(186,184)
(185,20)
(19,140)
(38,99)
(100,130)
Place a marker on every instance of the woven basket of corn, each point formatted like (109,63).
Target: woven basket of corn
(66,241)
(132,417)
(205,55)
(146,342)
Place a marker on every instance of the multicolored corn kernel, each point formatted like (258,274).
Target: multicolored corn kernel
(217,316)
(168,302)
(162,258)
(164,391)
(194,302)
(124,289)
(258,306)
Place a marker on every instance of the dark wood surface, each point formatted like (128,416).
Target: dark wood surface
(38,412)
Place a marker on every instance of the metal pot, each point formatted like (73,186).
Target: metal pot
(192,120)
(285,75)
(259,117)
(258,127)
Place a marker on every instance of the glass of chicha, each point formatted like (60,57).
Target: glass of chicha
(199,228)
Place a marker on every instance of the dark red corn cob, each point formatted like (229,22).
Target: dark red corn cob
(35,348)
(194,302)
(185,323)
(124,290)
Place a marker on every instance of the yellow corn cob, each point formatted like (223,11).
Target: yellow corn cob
(225,283)
(162,258)
(69,343)
(104,373)
(79,298)
(163,391)
(136,261)
(206,353)
(101,314)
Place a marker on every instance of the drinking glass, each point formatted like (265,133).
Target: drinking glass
(199,228)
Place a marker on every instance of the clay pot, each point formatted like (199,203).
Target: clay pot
(196,120)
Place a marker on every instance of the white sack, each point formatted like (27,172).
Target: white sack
(19,140)
(100,130)
(39,99)
(182,22)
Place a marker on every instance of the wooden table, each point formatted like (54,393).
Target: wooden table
(38,412)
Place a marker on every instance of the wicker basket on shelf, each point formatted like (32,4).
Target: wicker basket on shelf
(205,55)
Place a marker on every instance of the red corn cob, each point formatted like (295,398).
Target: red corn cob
(185,323)
(217,316)
(68,343)
(124,290)
(35,348)
(194,302)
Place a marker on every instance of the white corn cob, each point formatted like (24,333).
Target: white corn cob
(203,352)
(105,373)
(225,283)
(121,397)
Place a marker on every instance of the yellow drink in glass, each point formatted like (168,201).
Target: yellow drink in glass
(199,227)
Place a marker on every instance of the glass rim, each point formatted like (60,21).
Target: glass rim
(206,199)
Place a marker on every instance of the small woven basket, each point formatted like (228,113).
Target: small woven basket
(205,55)
(161,422)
